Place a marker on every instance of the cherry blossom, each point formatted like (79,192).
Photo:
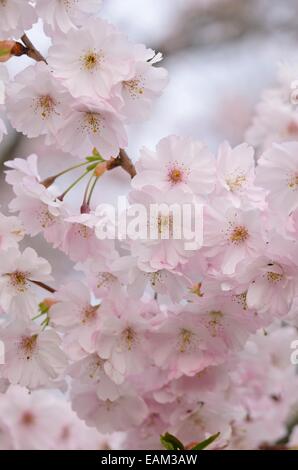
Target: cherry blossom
(42,100)
(277,173)
(101,59)
(122,337)
(15,17)
(11,232)
(67,14)
(18,272)
(107,416)
(232,235)
(177,163)
(145,83)
(32,358)
(73,311)
(38,421)
(89,125)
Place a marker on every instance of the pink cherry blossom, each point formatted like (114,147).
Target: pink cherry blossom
(277,172)
(177,163)
(16,16)
(107,416)
(101,59)
(80,241)
(232,235)
(183,346)
(67,14)
(32,357)
(73,311)
(236,176)
(43,421)
(121,338)
(92,125)
(36,102)
(17,271)
(165,249)
(11,232)
(145,83)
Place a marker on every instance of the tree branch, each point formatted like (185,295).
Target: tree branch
(124,161)
(32,52)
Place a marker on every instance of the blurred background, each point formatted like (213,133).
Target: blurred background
(220,55)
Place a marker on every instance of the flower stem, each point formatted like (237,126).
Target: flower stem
(92,189)
(85,208)
(73,185)
(51,179)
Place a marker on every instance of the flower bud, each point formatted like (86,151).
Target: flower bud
(48,302)
(100,169)
(9,49)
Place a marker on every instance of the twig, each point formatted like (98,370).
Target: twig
(43,286)
(31,50)
(124,161)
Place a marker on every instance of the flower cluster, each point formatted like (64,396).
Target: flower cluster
(151,334)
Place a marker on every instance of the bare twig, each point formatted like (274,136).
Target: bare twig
(124,161)
(43,286)
(31,50)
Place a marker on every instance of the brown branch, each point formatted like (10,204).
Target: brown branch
(124,161)
(43,286)
(31,51)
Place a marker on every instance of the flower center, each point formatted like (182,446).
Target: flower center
(177,173)
(93,122)
(68,4)
(45,217)
(45,105)
(104,279)
(84,231)
(185,339)
(274,277)
(293,182)
(175,176)
(91,60)
(89,313)
(155,278)
(165,225)
(135,87)
(241,300)
(129,337)
(28,345)
(94,366)
(18,280)
(215,322)
(236,183)
(197,289)
(239,235)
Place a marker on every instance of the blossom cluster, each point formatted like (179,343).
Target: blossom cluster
(146,336)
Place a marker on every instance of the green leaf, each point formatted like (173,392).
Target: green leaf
(171,442)
(96,153)
(4,52)
(92,166)
(202,445)
(94,159)
(43,308)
